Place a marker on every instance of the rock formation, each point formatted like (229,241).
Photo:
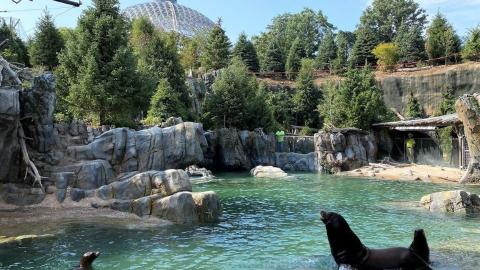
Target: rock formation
(268,172)
(345,149)
(457,201)
(468,110)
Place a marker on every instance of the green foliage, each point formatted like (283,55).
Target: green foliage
(447,106)
(307,96)
(344,43)
(246,51)
(279,100)
(356,101)
(165,103)
(273,61)
(294,59)
(381,22)
(327,51)
(14,50)
(413,110)
(387,55)
(410,43)
(441,39)
(46,44)
(190,54)
(97,77)
(216,53)
(157,59)
(306,131)
(471,50)
(445,138)
(236,100)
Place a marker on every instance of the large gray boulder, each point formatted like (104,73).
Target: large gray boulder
(207,206)
(179,208)
(345,149)
(9,147)
(456,201)
(89,174)
(268,172)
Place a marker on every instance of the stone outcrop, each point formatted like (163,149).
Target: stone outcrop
(300,144)
(427,86)
(9,146)
(230,149)
(457,201)
(468,110)
(345,149)
(196,172)
(297,162)
(268,172)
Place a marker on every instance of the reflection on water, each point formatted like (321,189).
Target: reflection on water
(267,224)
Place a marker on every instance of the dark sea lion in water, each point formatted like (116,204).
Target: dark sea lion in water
(87,260)
(347,249)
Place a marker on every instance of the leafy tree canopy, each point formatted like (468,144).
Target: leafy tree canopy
(14,50)
(387,55)
(246,51)
(46,44)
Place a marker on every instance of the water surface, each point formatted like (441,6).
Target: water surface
(267,224)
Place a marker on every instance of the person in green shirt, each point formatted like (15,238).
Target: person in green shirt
(280,135)
(410,144)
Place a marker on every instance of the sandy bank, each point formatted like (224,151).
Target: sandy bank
(424,173)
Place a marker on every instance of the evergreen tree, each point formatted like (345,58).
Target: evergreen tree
(356,101)
(471,50)
(246,51)
(97,68)
(158,59)
(410,43)
(307,96)
(14,50)
(165,103)
(190,54)
(217,49)
(344,42)
(235,100)
(280,103)
(294,59)
(413,109)
(441,39)
(46,44)
(273,58)
(381,22)
(447,106)
(327,51)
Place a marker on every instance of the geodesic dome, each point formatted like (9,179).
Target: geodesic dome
(167,15)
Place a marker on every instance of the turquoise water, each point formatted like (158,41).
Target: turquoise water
(267,224)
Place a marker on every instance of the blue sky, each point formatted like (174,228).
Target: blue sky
(252,16)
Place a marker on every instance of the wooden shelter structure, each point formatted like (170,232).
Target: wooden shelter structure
(425,128)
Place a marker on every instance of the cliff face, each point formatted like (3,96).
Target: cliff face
(428,85)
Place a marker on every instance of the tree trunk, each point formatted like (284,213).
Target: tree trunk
(468,109)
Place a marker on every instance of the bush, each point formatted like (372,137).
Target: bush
(387,55)
(471,51)
(306,131)
(165,103)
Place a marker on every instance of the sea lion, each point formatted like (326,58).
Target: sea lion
(348,250)
(87,260)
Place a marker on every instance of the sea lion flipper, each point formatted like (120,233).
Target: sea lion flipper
(420,246)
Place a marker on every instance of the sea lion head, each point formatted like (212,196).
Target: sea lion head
(88,258)
(345,246)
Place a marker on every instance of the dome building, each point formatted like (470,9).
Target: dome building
(168,15)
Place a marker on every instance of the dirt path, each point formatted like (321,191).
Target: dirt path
(425,173)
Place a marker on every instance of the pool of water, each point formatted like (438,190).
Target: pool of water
(267,224)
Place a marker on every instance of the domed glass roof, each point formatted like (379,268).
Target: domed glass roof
(170,16)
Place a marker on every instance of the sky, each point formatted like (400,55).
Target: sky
(250,16)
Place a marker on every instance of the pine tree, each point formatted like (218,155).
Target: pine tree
(165,103)
(294,59)
(410,43)
(327,51)
(413,109)
(158,59)
(246,51)
(362,51)
(190,54)
(217,49)
(307,96)
(273,58)
(471,50)
(46,44)
(441,39)
(14,50)
(97,68)
(344,42)
(447,106)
